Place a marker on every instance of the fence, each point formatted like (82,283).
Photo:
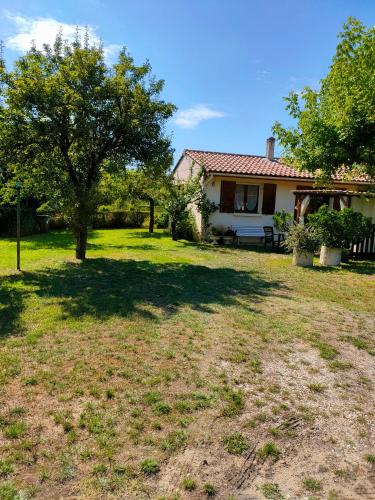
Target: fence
(364,249)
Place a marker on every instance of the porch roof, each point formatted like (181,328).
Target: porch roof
(334,192)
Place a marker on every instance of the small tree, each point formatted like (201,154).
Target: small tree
(66,118)
(177,198)
(147,185)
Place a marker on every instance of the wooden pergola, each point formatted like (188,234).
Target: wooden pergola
(334,198)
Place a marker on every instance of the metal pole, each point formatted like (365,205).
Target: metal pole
(18,229)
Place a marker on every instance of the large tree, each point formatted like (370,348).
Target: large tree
(336,123)
(66,117)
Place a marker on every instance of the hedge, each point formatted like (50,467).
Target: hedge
(8,221)
(120,219)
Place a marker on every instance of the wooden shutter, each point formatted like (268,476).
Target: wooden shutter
(228,189)
(269,199)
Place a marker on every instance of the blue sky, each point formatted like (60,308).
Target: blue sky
(227,63)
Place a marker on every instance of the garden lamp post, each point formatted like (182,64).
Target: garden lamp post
(18,189)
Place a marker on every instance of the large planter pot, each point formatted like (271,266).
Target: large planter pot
(215,239)
(228,240)
(330,256)
(303,259)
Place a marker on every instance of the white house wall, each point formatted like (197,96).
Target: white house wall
(284,199)
(184,170)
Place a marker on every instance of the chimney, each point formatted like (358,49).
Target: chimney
(270,148)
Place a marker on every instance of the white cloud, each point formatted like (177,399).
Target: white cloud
(42,30)
(191,117)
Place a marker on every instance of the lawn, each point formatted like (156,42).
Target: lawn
(161,369)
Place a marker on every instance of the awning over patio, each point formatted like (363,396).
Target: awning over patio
(334,198)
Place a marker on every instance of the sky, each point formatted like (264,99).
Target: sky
(227,64)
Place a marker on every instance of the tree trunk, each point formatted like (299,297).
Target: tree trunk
(152,216)
(81,242)
(174,230)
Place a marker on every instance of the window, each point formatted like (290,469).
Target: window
(246,198)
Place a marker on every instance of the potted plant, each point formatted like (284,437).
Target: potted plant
(215,234)
(303,241)
(335,229)
(328,224)
(228,236)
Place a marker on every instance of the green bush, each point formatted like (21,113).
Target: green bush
(282,220)
(58,221)
(302,238)
(119,219)
(335,228)
(186,228)
(356,226)
(162,220)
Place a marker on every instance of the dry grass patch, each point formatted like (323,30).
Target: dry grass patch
(156,361)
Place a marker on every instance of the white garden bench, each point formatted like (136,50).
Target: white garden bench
(247,231)
(265,233)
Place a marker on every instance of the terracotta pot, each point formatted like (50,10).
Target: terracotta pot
(303,259)
(330,256)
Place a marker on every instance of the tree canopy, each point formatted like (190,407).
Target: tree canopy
(66,118)
(336,123)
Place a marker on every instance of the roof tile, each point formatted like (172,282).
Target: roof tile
(228,163)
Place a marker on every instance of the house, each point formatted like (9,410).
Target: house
(249,189)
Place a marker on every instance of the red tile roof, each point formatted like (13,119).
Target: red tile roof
(228,163)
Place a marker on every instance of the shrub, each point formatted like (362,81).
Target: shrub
(150,466)
(302,238)
(162,220)
(282,220)
(217,231)
(356,225)
(186,228)
(119,219)
(337,227)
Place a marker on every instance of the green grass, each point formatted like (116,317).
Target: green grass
(236,444)
(154,348)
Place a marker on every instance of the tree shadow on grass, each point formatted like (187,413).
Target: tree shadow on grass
(11,306)
(105,288)
(358,267)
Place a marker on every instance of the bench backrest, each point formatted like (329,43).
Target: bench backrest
(248,230)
